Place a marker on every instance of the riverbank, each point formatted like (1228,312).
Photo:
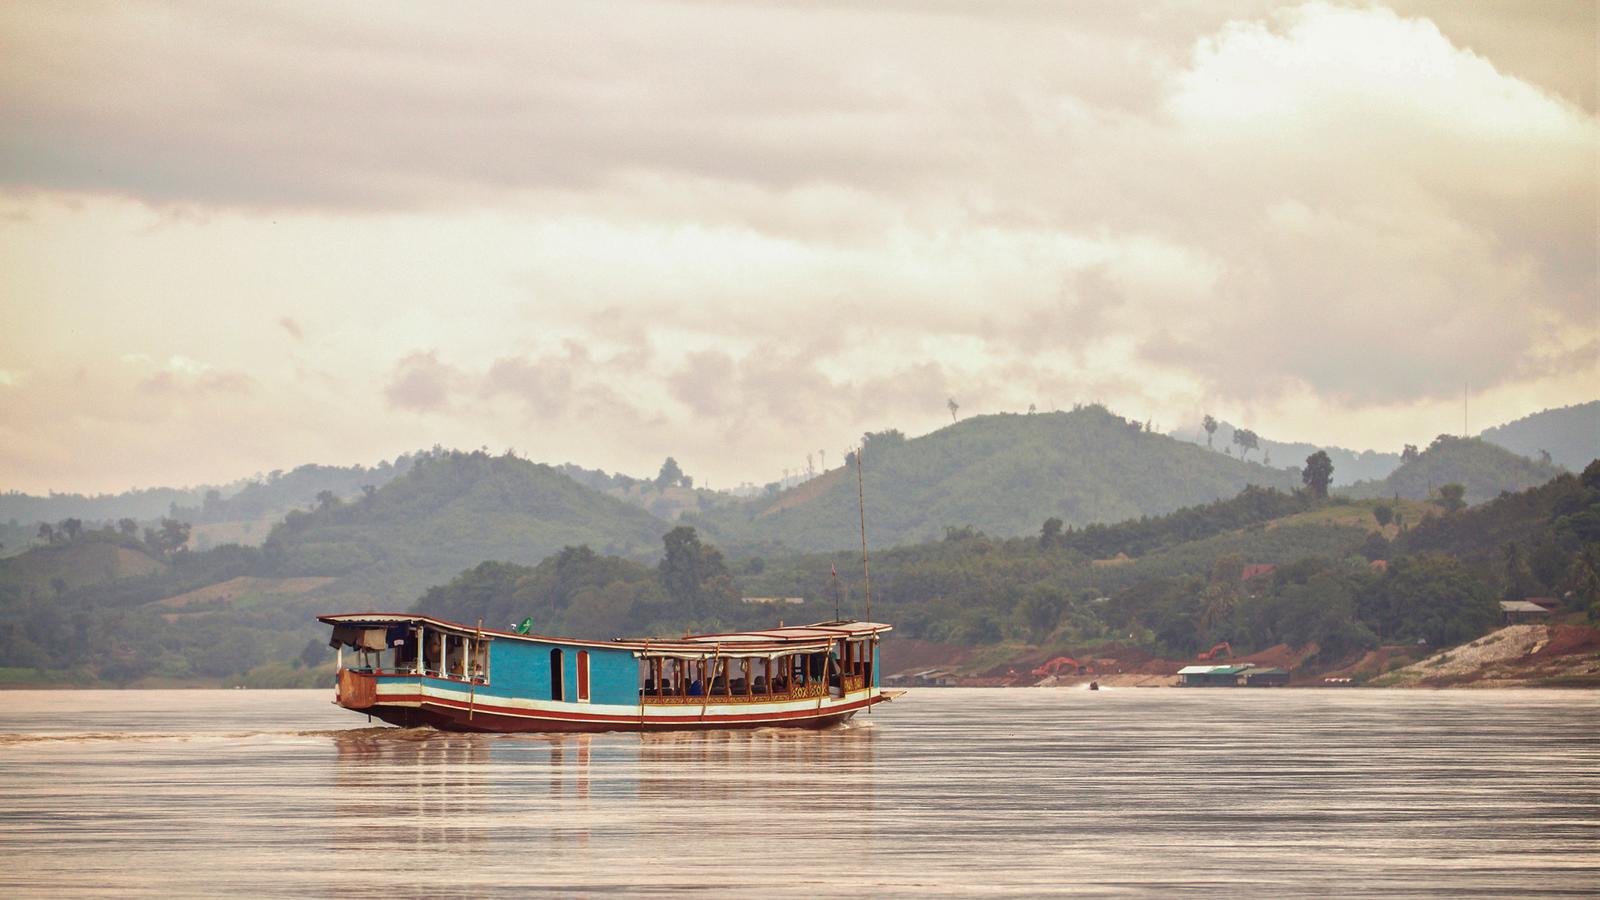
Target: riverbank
(1562,655)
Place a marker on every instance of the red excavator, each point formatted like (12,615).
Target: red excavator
(1223,650)
(1054,667)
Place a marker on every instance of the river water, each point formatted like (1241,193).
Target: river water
(1006,792)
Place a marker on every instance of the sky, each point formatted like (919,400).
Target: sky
(241,237)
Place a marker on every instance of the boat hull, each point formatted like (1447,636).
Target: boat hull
(449,707)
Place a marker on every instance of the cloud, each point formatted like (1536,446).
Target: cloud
(730,229)
(421,383)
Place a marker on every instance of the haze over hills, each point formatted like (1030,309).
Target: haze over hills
(1349,466)
(1001,474)
(452,512)
(1482,468)
(124,608)
(1570,434)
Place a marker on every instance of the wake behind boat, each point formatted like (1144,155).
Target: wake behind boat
(417,670)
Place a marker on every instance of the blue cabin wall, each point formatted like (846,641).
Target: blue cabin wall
(519,669)
(613,677)
(875,664)
(522,669)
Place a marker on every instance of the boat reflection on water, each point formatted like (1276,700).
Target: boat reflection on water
(594,805)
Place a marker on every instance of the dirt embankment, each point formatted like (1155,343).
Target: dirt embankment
(1514,656)
(1520,655)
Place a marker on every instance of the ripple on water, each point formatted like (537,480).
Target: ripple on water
(998,792)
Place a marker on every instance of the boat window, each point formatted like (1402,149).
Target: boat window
(556,692)
(404,658)
(480,660)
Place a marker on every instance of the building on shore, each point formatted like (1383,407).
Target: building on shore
(1212,676)
(1266,677)
(1518,612)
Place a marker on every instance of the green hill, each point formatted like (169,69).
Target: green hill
(450,513)
(93,559)
(1484,469)
(1003,475)
(1570,434)
(98,607)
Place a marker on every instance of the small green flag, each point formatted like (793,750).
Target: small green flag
(527,624)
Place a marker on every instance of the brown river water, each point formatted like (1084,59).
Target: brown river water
(1005,792)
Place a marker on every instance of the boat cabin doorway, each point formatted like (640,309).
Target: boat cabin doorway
(556,665)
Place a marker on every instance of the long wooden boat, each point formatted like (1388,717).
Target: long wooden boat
(417,670)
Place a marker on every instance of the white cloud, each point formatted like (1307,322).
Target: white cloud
(722,231)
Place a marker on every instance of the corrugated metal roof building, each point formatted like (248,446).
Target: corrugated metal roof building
(1266,678)
(1212,676)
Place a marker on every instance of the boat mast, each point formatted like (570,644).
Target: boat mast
(861,500)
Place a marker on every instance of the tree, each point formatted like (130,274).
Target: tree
(1247,441)
(1210,425)
(1317,474)
(1039,611)
(669,475)
(1375,547)
(1050,534)
(128,527)
(170,537)
(1435,598)
(1409,454)
(1583,581)
(692,573)
(313,654)
(327,500)
(47,532)
(1383,514)
(1451,497)
(1520,582)
(71,528)
(1544,457)
(953,406)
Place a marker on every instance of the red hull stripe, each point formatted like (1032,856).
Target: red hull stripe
(708,718)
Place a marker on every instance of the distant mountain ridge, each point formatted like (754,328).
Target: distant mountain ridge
(449,513)
(1000,474)
(1570,434)
(1349,466)
(1484,469)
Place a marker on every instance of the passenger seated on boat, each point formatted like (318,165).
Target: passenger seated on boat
(779,684)
(758,684)
(694,688)
(737,686)
(649,686)
(719,685)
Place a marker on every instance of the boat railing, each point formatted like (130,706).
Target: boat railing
(425,673)
(816,688)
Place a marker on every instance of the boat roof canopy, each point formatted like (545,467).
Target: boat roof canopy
(795,638)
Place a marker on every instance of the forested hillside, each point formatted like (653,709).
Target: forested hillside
(449,513)
(142,504)
(1171,585)
(1000,474)
(1570,434)
(1482,469)
(1349,466)
(135,608)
